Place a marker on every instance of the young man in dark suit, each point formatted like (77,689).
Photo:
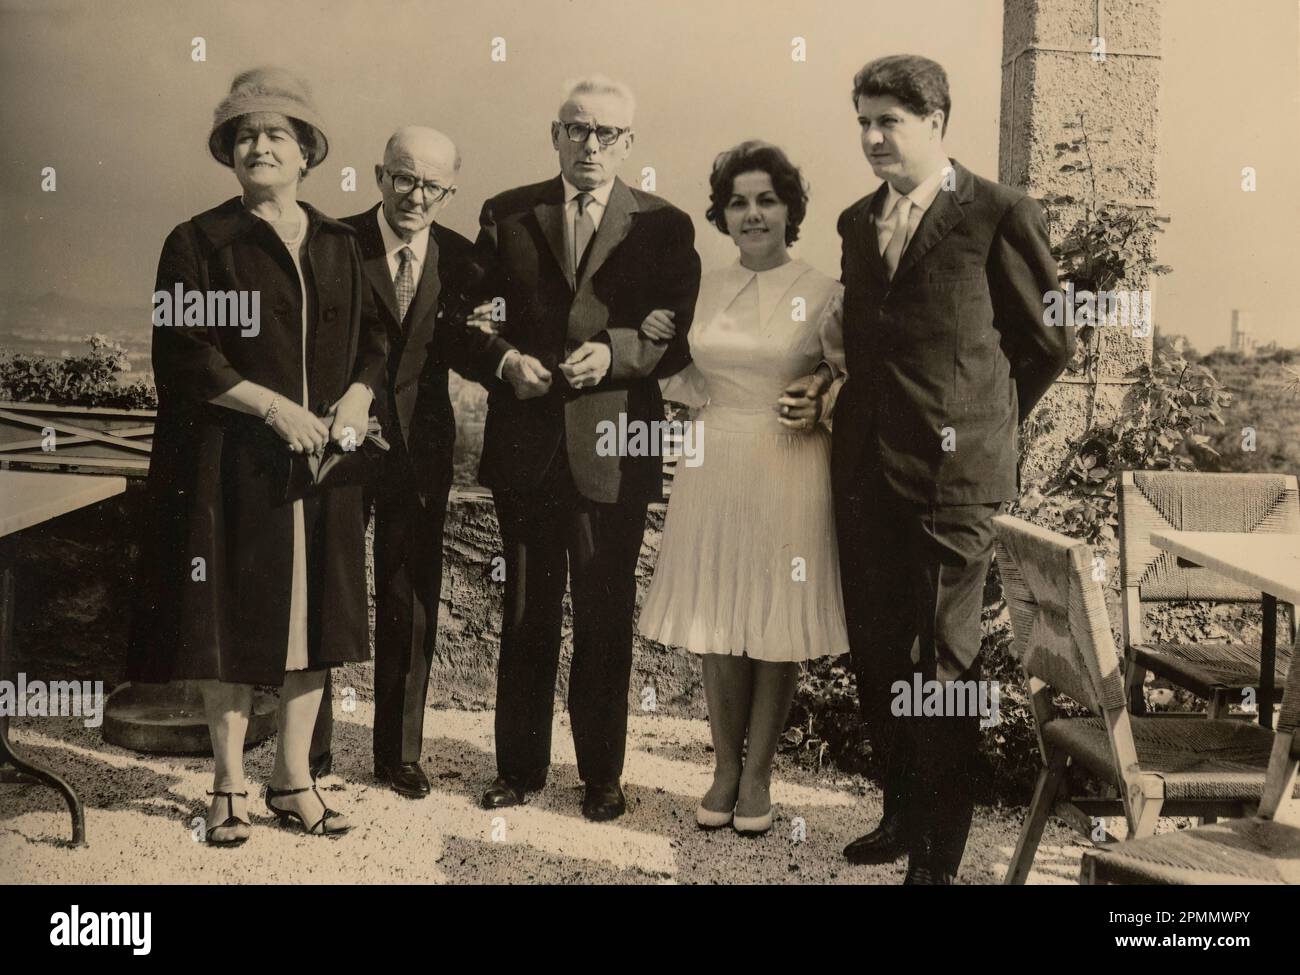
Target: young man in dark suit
(579,264)
(945,275)
(417,269)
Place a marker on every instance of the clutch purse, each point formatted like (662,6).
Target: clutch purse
(335,467)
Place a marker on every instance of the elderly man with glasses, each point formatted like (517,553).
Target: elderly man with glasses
(597,282)
(415,268)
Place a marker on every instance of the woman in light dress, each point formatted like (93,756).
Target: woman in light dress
(747,574)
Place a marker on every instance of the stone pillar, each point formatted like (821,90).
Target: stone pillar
(1101,58)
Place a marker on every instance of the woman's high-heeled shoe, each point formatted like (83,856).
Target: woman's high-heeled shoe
(321,827)
(708,819)
(230,823)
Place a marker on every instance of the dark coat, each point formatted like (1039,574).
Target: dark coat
(642,258)
(413,405)
(956,339)
(217,476)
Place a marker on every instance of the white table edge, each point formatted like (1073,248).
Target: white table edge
(1169,541)
(92,488)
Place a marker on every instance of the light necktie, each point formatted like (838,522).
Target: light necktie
(405,283)
(584,228)
(902,223)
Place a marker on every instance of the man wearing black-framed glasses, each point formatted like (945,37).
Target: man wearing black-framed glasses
(414,267)
(584,268)
(404,185)
(606,135)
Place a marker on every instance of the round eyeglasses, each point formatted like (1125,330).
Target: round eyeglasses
(404,184)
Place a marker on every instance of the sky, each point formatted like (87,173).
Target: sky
(107,93)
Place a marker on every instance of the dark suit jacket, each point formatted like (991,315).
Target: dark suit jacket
(956,339)
(413,405)
(642,258)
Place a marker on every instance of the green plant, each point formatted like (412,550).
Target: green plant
(823,726)
(1164,425)
(1108,243)
(1173,400)
(95,378)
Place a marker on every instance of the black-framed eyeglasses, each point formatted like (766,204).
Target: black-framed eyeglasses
(405,184)
(606,135)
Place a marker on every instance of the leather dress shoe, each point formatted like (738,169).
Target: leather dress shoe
(603,802)
(884,844)
(406,778)
(925,872)
(507,791)
(321,765)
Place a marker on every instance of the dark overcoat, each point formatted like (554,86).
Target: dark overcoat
(217,551)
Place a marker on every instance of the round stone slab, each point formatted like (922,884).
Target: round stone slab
(168,719)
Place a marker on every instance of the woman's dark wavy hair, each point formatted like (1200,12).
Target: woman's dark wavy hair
(919,83)
(755,156)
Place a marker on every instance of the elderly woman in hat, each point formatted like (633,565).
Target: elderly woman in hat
(244,583)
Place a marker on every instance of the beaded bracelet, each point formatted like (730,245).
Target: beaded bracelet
(271,411)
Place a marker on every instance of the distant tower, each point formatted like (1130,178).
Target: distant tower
(1243,339)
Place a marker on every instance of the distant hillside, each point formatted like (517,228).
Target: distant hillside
(52,324)
(1266,397)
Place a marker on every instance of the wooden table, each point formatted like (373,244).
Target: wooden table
(1267,562)
(29,498)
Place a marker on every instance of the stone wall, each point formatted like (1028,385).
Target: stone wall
(1052,72)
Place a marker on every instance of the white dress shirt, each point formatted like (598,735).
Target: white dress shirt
(599,200)
(921,197)
(393,245)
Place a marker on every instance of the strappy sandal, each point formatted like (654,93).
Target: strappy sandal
(230,822)
(321,827)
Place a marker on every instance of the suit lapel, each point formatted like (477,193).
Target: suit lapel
(941,216)
(614,226)
(375,264)
(549,211)
(419,324)
(869,240)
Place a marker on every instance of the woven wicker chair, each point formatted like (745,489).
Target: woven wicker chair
(1149,767)
(1160,500)
(1262,850)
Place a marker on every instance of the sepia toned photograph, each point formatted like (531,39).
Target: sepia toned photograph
(591,442)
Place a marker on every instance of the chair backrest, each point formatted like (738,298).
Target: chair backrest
(1278,800)
(1182,501)
(1061,632)
(1289,718)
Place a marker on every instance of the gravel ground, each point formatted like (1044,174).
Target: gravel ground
(139,813)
